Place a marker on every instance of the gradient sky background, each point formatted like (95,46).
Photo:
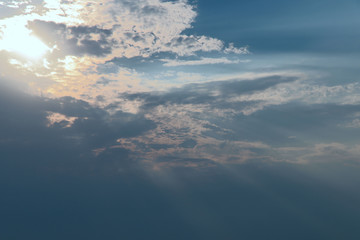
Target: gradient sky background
(151,119)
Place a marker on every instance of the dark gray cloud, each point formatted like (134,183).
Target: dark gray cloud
(292,131)
(141,64)
(93,132)
(204,121)
(27,137)
(188,143)
(157,61)
(75,40)
(214,93)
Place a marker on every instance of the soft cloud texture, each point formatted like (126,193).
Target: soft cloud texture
(75,39)
(151,119)
(131,61)
(139,28)
(203,61)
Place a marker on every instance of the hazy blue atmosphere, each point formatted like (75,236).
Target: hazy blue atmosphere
(181,119)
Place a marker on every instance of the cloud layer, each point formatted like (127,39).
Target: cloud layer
(132,78)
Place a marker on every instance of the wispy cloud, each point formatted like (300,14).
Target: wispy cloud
(202,61)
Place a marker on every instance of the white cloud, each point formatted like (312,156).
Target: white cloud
(353,124)
(137,29)
(140,28)
(202,61)
(14,4)
(301,91)
(58,118)
(331,152)
(232,49)
(175,125)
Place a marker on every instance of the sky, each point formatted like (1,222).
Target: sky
(179,119)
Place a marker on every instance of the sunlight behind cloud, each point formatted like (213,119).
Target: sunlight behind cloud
(17,38)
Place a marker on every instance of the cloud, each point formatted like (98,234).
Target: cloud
(321,153)
(353,124)
(77,40)
(113,134)
(165,135)
(111,95)
(301,91)
(62,134)
(82,43)
(214,93)
(14,4)
(140,28)
(195,126)
(232,49)
(202,61)
(60,119)
(222,131)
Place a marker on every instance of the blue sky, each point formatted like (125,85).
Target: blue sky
(179,119)
(283,26)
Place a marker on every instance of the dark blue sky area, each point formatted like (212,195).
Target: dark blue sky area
(272,202)
(324,26)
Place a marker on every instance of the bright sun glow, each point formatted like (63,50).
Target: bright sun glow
(15,37)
